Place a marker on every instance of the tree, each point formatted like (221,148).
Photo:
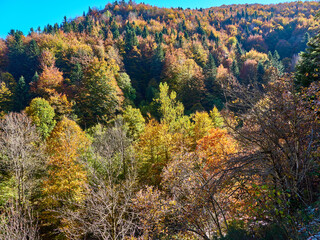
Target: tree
(248,74)
(153,211)
(130,38)
(213,94)
(6,99)
(309,64)
(235,68)
(32,52)
(23,57)
(65,178)
(134,121)
(217,119)
(153,152)
(106,212)
(17,224)
(16,54)
(21,157)
(185,77)
(145,32)
(50,81)
(62,107)
(276,62)
(20,153)
(260,72)
(66,143)
(21,98)
(202,123)
(157,62)
(199,187)
(279,128)
(99,94)
(76,75)
(210,71)
(7,92)
(171,110)
(42,115)
(115,30)
(124,83)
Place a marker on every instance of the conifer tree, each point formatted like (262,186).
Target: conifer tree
(145,32)
(235,68)
(115,30)
(21,95)
(260,72)
(308,67)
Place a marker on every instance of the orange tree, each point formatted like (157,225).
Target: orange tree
(65,178)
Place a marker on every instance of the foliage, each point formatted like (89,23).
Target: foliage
(134,122)
(42,115)
(196,129)
(309,64)
(65,177)
(99,95)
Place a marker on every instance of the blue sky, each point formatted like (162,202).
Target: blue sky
(24,14)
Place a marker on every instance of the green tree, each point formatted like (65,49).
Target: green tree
(235,68)
(210,71)
(124,83)
(260,72)
(76,74)
(21,97)
(145,32)
(308,68)
(157,62)
(134,121)
(130,38)
(171,110)
(115,30)
(99,96)
(42,115)
(216,117)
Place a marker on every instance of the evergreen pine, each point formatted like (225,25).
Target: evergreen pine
(21,95)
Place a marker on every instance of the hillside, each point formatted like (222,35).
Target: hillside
(139,122)
(140,45)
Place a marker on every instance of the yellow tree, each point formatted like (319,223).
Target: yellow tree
(202,123)
(200,188)
(66,178)
(153,150)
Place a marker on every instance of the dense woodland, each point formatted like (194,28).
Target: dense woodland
(139,122)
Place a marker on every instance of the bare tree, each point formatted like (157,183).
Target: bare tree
(20,157)
(279,132)
(15,224)
(106,212)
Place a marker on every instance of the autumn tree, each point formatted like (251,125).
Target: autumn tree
(7,92)
(50,81)
(106,211)
(65,179)
(185,77)
(278,129)
(197,181)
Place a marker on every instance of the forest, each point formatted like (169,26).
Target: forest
(139,122)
